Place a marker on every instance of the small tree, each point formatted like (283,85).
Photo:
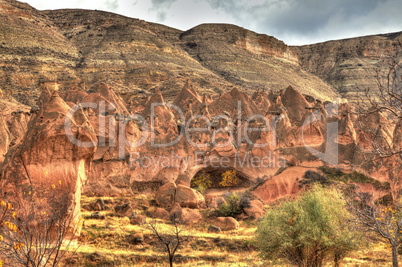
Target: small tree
(382,146)
(308,231)
(30,235)
(383,220)
(229,178)
(202,182)
(170,240)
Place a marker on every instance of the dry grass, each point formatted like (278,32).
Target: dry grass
(107,243)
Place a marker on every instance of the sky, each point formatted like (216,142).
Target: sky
(296,22)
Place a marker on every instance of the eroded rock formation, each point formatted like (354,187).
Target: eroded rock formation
(54,158)
(231,83)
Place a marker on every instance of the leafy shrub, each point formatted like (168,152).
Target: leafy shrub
(308,231)
(312,177)
(202,182)
(361,178)
(335,174)
(331,172)
(231,207)
(229,178)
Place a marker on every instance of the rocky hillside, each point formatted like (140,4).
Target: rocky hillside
(351,65)
(32,49)
(79,48)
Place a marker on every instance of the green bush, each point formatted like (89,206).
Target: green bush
(308,231)
(335,174)
(231,207)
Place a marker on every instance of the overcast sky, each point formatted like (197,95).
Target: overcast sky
(293,21)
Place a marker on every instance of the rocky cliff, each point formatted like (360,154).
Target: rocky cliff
(351,66)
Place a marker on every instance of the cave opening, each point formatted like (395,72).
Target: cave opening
(216,177)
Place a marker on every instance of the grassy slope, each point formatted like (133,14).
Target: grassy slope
(108,243)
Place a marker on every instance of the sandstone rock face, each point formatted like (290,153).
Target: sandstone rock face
(285,184)
(135,65)
(32,37)
(226,223)
(295,104)
(13,124)
(79,45)
(54,157)
(4,138)
(295,127)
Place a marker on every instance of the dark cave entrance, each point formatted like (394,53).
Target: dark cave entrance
(215,175)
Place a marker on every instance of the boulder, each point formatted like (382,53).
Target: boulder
(184,215)
(214,229)
(190,217)
(188,197)
(145,204)
(226,223)
(138,220)
(164,197)
(175,212)
(184,195)
(124,210)
(255,209)
(160,213)
(97,215)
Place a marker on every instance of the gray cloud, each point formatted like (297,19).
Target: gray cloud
(313,20)
(161,7)
(112,5)
(293,21)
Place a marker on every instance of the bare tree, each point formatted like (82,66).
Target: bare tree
(380,117)
(383,220)
(34,235)
(170,240)
(383,141)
